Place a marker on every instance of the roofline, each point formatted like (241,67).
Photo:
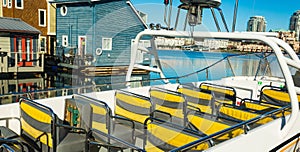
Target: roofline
(68,2)
(91,1)
(19,31)
(136,13)
(75,1)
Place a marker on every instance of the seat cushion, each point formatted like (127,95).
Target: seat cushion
(73,142)
(7,133)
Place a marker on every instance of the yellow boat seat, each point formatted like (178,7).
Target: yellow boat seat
(170,102)
(221,93)
(163,136)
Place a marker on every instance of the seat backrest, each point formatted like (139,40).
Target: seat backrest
(197,99)
(105,127)
(101,113)
(170,102)
(212,124)
(223,94)
(164,136)
(231,112)
(78,113)
(256,106)
(275,96)
(133,106)
(37,122)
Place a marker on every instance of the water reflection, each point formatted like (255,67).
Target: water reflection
(180,63)
(60,84)
(174,63)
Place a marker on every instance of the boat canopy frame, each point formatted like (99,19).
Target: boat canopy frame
(268,38)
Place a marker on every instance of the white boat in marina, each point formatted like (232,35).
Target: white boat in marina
(254,112)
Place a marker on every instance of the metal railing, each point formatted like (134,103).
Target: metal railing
(244,125)
(11,61)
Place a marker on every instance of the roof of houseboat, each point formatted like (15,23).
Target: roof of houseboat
(16,25)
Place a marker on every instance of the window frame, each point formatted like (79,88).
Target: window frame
(65,40)
(22,4)
(9,3)
(109,47)
(45,19)
(61,10)
(4,3)
(45,43)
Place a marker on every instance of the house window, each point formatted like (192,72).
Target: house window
(64,10)
(65,41)
(43,43)
(19,4)
(106,43)
(4,3)
(42,17)
(9,4)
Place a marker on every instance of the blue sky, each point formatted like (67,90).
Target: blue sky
(276,12)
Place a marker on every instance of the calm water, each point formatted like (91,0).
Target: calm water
(174,63)
(180,63)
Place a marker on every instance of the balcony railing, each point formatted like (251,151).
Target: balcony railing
(15,62)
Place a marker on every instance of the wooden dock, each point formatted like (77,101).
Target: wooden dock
(99,71)
(113,71)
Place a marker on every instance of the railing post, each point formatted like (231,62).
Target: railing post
(16,62)
(43,60)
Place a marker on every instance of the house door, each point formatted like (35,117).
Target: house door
(23,49)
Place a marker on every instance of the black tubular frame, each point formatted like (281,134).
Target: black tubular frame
(54,125)
(108,135)
(239,125)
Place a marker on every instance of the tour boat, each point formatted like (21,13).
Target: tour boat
(250,108)
(256,112)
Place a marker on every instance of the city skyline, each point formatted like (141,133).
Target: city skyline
(277,15)
(257,24)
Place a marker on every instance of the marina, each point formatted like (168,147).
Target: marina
(256,114)
(104,80)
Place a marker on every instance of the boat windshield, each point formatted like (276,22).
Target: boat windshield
(226,58)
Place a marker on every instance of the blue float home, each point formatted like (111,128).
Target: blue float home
(96,32)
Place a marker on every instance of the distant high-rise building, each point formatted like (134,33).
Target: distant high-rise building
(295,24)
(257,24)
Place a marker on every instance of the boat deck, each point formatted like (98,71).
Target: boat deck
(165,118)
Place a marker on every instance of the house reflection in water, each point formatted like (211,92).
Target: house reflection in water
(60,84)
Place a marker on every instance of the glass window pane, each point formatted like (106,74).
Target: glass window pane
(19,3)
(42,17)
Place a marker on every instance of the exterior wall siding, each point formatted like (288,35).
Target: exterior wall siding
(5,43)
(29,13)
(114,19)
(52,19)
(1,12)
